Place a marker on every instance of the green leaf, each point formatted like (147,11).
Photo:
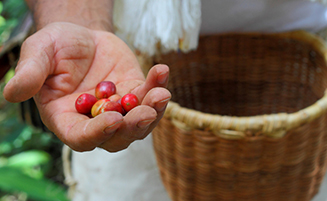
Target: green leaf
(29,159)
(13,180)
(3,161)
(12,132)
(10,74)
(2,21)
(5,148)
(34,163)
(14,8)
(1,7)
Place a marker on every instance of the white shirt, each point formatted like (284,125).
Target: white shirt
(262,15)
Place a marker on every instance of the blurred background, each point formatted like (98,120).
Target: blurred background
(30,157)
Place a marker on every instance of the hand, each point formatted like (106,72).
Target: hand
(63,60)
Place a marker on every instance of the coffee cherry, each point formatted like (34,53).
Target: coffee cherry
(84,103)
(115,97)
(111,106)
(105,89)
(104,105)
(129,101)
(105,99)
(97,106)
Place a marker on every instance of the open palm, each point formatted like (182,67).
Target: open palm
(63,60)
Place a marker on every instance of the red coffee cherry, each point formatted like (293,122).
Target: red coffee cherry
(105,89)
(84,103)
(129,101)
(104,105)
(115,97)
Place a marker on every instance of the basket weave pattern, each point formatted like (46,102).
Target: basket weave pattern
(247,120)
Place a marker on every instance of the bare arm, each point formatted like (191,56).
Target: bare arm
(95,14)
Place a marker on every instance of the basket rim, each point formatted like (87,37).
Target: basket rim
(273,125)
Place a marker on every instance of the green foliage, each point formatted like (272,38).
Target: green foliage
(12,11)
(23,172)
(27,159)
(30,163)
(39,189)
(9,75)
(17,136)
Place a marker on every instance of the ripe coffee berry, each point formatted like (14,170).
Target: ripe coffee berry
(115,98)
(105,89)
(104,105)
(84,103)
(97,106)
(129,101)
(105,99)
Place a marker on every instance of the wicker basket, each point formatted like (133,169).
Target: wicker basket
(247,120)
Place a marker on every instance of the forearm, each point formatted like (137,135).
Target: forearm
(95,14)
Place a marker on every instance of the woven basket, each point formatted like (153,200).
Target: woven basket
(247,120)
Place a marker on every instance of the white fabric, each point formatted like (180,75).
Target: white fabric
(261,16)
(175,24)
(129,175)
(320,1)
(143,24)
(132,174)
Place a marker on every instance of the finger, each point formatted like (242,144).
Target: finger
(90,133)
(33,68)
(134,127)
(157,77)
(158,99)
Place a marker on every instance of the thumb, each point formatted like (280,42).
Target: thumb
(33,68)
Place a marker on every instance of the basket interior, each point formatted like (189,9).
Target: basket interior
(247,75)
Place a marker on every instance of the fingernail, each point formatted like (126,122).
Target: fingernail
(160,106)
(145,123)
(109,130)
(162,78)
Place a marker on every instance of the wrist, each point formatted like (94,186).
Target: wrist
(96,15)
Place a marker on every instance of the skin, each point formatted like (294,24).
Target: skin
(71,52)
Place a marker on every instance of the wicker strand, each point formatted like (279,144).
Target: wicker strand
(274,125)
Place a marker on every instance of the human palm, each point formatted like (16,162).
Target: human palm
(63,60)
